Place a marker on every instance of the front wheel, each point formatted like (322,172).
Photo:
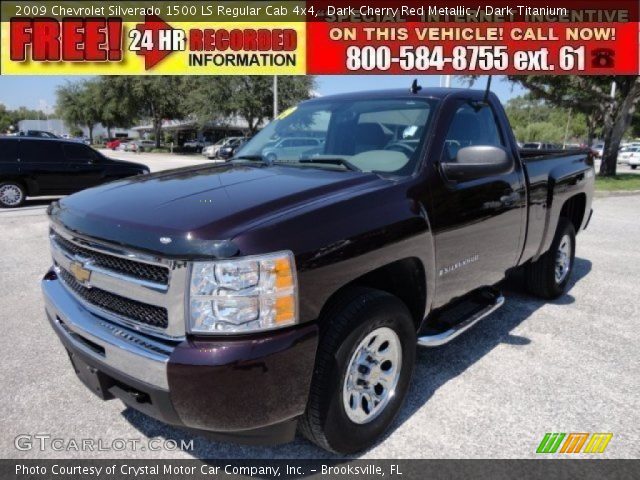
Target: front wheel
(548,277)
(633,167)
(363,371)
(12,194)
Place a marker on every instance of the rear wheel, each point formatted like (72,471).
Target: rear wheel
(548,277)
(363,370)
(633,167)
(12,194)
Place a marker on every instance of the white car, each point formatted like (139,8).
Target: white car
(598,149)
(626,153)
(634,159)
(290,148)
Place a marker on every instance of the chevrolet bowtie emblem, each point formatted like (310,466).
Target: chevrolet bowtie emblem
(81,274)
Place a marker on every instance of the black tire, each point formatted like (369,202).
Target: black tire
(541,275)
(353,316)
(633,167)
(16,187)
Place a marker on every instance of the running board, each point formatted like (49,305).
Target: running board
(448,335)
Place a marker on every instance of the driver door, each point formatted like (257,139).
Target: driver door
(477,223)
(85,165)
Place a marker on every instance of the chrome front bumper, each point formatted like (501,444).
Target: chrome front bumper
(123,350)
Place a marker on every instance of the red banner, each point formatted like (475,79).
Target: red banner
(570,38)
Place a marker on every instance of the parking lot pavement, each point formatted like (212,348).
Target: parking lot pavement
(532,367)
(158,161)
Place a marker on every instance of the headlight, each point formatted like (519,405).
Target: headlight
(243,295)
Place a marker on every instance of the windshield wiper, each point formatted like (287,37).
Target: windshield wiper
(332,161)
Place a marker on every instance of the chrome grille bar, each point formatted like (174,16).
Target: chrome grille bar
(137,303)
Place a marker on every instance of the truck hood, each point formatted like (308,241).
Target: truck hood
(196,211)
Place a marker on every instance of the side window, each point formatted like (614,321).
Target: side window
(471,125)
(8,151)
(79,153)
(40,151)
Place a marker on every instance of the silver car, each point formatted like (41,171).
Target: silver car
(212,151)
(290,148)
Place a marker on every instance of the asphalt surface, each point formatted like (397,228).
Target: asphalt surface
(572,365)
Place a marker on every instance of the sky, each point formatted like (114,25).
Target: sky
(38,92)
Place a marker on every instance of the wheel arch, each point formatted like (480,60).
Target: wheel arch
(405,279)
(574,209)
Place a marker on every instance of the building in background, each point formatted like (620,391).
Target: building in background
(185,130)
(58,127)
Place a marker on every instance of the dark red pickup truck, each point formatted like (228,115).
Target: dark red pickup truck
(268,294)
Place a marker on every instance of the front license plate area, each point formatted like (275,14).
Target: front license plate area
(94,379)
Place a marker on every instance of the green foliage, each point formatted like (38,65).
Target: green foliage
(158,98)
(117,104)
(76,132)
(537,120)
(215,99)
(624,181)
(78,105)
(10,118)
(608,115)
(121,101)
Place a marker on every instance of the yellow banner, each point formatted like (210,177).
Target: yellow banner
(155,46)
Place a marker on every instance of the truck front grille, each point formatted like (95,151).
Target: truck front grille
(138,270)
(140,312)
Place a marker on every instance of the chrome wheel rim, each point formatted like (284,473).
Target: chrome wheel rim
(372,375)
(10,195)
(563,259)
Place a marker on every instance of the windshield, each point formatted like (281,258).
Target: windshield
(366,135)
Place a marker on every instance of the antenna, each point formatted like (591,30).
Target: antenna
(487,90)
(415,88)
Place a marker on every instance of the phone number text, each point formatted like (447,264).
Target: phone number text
(463,58)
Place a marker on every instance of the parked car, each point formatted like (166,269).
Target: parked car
(633,160)
(249,298)
(212,151)
(31,167)
(598,150)
(140,146)
(195,145)
(626,153)
(38,134)
(114,143)
(229,150)
(290,148)
(541,146)
(85,140)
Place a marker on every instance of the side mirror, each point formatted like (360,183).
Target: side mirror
(477,162)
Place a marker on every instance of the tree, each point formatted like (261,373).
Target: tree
(158,98)
(249,97)
(209,99)
(592,97)
(537,120)
(79,104)
(10,118)
(116,103)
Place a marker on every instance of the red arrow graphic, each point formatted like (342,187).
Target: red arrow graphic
(153,55)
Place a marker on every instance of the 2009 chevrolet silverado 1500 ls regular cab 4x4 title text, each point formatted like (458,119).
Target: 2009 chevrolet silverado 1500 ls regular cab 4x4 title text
(261,295)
